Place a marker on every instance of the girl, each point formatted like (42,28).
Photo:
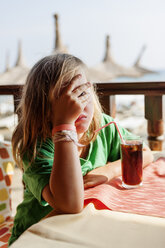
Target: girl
(55,144)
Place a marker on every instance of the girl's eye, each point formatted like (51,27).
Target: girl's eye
(82,94)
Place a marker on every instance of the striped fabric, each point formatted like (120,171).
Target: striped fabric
(148,199)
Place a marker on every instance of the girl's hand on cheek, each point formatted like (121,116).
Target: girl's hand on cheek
(71,103)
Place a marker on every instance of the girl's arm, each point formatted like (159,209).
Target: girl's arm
(65,191)
(111,170)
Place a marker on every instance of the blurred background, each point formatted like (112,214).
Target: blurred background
(119,40)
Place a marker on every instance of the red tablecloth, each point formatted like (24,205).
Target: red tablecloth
(148,199)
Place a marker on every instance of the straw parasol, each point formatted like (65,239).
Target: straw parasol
(137,64)
(18,73)
(110,66)
(58,47)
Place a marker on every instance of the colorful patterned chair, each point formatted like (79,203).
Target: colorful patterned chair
(6,173)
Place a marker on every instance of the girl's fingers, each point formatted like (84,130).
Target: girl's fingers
(84,103)
(72,84)
(84,98)
(68,89)
(82,94)
(77,90)
(81,90)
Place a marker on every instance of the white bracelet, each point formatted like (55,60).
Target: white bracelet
(66,135)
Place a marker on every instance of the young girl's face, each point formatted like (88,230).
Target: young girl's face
(83,121)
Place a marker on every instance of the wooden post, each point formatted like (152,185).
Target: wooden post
(154,116)
(108,104)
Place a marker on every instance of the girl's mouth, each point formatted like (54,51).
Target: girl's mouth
(81,117)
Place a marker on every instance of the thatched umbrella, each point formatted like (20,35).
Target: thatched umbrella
(137,64)
(113,69)
(58,46)
(18,73)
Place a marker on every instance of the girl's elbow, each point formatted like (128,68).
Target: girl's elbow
(66,204)
(73,207)
(69,206)
(76,210)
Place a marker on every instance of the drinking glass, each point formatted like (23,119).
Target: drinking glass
(131,163)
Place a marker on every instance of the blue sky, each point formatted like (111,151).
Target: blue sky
(84,25)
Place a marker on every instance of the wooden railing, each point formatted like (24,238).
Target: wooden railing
(153,104)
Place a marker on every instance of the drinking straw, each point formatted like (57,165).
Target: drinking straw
(112,122)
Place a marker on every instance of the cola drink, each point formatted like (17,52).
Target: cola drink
(131,163)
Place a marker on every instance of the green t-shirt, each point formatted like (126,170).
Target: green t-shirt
(106,148)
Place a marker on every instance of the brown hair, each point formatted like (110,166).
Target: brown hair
(47,75)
